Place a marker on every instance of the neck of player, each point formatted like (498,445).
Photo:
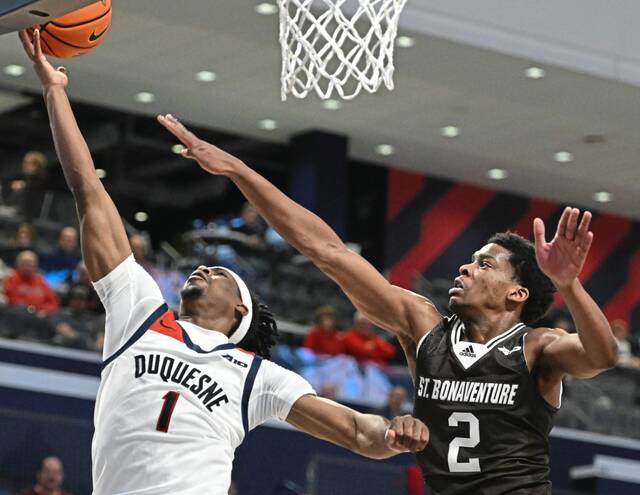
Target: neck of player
(481,327)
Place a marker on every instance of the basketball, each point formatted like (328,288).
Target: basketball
(77,32)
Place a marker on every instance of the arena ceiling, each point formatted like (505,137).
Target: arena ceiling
(506,120)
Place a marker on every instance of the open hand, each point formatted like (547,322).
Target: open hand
(407,434)
(209,157)
(562,259)
(49,77)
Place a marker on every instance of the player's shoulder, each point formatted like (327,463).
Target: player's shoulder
(273,375)
(539,338)
(544,336)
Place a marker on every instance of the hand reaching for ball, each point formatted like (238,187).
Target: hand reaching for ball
(49,77)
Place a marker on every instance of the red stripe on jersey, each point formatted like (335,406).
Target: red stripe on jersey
(245,351)
(168,326)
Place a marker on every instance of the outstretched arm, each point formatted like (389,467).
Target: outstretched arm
(365,434)
(393,308)
(103,238)
(594,348)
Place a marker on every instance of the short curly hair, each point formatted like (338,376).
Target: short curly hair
(528,273)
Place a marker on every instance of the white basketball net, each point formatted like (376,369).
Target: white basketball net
(337,45)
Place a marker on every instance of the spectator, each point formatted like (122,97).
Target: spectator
(361,342)
(80,278)
(324,337)
(26,287)
(49,479)
(66,256)
(250,223)
(27,191)
(75,325)
(24,239)
(627,345)
(395,403)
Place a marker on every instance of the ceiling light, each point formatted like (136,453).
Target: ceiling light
(145,97)
(141,216)
(405,41)
(450,131)
(385,149)
(206,76)
(14,70)
(177,149)
(266,8)
(563,157)
(534,73)
(497,174)
(101,173)
(603,197)
(332,105)
(268,124)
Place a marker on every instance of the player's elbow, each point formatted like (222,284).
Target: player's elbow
(86,190)
(607,358)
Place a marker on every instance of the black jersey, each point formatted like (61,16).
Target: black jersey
(488,423)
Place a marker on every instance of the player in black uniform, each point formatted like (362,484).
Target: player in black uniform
(487,384)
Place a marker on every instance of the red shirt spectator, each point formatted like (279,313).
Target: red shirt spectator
(361,343)
(324,338)
(25,286)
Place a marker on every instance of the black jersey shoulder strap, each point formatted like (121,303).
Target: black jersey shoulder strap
(440,330)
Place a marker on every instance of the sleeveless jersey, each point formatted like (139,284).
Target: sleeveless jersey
(175,400)
(488,423)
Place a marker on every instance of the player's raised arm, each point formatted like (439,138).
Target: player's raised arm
(393,308)
(103,238)
(365,434)
(594,348)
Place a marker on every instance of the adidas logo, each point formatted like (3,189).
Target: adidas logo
(468,352)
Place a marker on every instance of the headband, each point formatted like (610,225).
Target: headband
(245,295)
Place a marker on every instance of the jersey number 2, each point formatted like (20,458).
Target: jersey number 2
(170,399)
(473,464)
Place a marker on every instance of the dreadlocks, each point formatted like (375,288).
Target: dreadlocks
(263,330)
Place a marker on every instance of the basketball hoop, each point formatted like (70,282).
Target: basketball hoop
(341,46)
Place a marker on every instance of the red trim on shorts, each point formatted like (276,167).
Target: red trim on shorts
(167,325)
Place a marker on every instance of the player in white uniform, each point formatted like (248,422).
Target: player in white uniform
(178,397)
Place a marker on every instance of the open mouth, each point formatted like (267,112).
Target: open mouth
(197,275)
(457,288)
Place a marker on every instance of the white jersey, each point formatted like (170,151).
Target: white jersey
(175,400)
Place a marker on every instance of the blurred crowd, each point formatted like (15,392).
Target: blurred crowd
(46,295)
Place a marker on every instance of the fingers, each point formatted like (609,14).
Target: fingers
(37,47)
(583,229)
(539,232)
(175,127)
(562,223)
(27,44)
(407,434)
(572,224)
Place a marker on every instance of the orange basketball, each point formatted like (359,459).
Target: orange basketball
(77,32)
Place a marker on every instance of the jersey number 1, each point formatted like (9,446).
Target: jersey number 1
(170,399)
(473,464)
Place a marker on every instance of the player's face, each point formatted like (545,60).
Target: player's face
(211,288)
(485,283)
